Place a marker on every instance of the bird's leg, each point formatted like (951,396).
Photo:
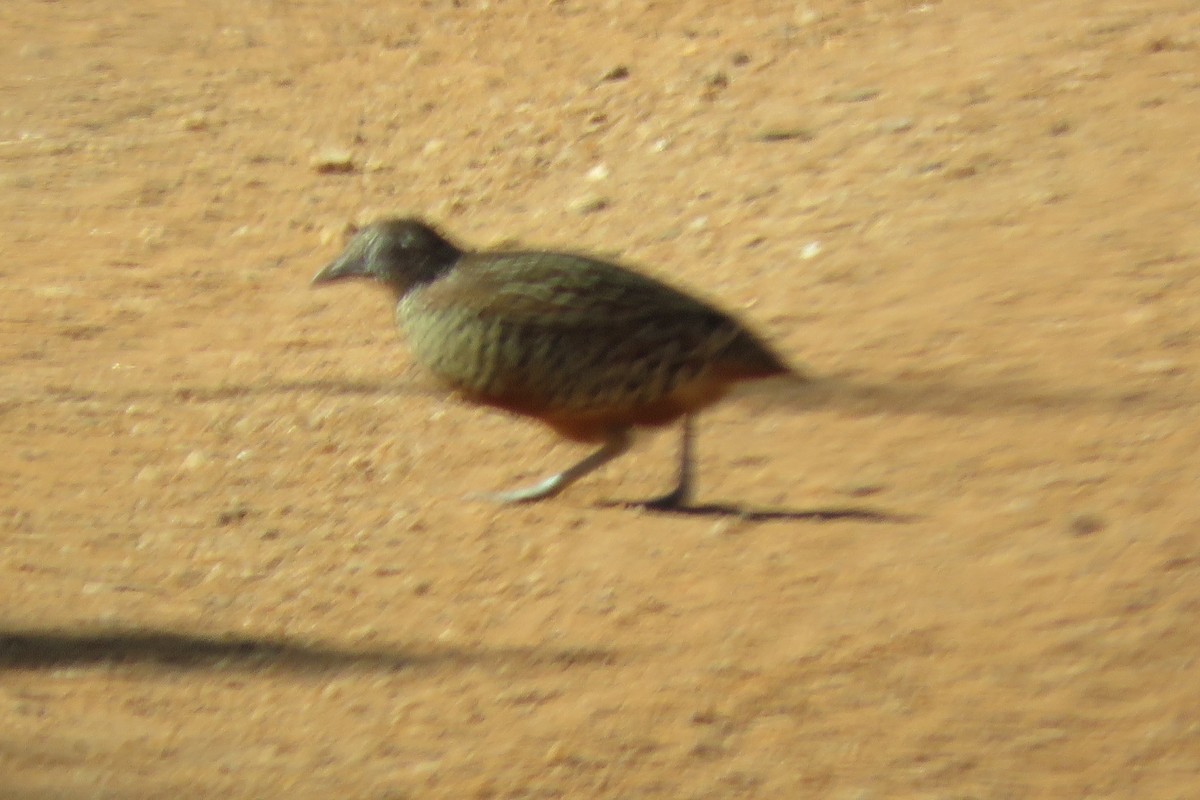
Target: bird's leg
(618,443)
(681,495)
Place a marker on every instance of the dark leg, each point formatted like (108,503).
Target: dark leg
(681,495)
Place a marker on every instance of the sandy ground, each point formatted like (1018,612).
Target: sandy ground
(236,558)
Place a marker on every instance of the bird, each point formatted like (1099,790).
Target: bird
(593,349)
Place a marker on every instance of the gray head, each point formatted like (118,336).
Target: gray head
(399,253)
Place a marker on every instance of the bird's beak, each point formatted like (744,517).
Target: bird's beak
(348,265)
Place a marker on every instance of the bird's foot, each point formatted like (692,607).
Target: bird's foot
(677,498)
(530,494)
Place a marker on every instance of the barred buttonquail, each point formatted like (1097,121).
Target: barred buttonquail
(590,348)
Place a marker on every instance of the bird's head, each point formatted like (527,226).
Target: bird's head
(399,253)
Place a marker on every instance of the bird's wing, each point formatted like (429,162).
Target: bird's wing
(597,306)
(560,290)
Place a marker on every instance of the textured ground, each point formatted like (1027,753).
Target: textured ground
(235,558)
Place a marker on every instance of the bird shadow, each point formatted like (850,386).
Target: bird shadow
(942,396)
(763,514)
(908,395)
(174,651)
(198,393)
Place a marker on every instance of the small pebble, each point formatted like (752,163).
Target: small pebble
(864,489)
(236,512)
(148,475)
(897,125)
(1161,366)
(784,132)
(618,73)
(194,460)
(333,161)
(1086,524)
(588,204)
(716,80)
(855,95)
(197,121)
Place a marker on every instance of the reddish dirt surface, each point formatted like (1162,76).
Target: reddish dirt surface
(236,556)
